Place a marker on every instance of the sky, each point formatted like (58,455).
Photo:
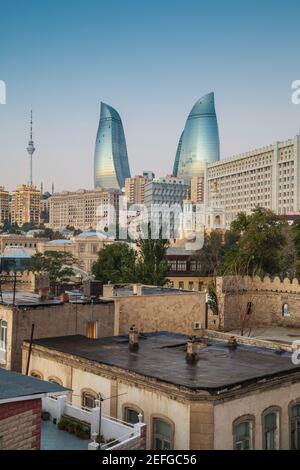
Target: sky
(151,60)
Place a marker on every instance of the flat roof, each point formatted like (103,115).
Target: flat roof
(26,298)
(126,291)
(162,356)
(15,385)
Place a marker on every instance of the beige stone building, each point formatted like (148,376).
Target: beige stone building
(4,205)
(84,247)
(28,242)
(268,177)
(201,394)
(25,205)
(150,308)
(197,189)
(84,209)
(135,189)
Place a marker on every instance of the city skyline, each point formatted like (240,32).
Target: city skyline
(62,74)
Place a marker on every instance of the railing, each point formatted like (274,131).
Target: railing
(119,433)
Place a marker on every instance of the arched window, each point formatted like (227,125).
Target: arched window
(243,430)
(36,374)
(131,413)
(294,414)
(88,399)
(286,311)
(55,380)
(271,428)
(162,433)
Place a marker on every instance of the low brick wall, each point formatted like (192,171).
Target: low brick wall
(20,425)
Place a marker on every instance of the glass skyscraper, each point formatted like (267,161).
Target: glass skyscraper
(111,165)
(199,142)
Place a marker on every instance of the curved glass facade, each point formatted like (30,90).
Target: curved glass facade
(111,165)
(199,143)
(176,163)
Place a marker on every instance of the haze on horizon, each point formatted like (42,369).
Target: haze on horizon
(151,61)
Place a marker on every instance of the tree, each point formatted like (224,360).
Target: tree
(152,263)
(260,237)
(51,234)
(211,256)
(116,264)
(57,264)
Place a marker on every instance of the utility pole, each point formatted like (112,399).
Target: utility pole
(101,399)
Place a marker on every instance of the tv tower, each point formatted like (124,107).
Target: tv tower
(30,150)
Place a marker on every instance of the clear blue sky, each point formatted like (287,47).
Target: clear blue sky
(151,60)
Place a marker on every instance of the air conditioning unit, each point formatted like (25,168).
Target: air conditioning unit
(197,325)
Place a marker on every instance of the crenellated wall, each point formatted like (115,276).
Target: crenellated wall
(274,302)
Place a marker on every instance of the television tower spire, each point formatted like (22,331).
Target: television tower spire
(30,150)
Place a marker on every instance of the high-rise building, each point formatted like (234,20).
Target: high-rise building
(135,189)
(25,205)
(4,205)
(197,189)
(111,165)
(199,142)
(169,190)
(268,177)
(83,209)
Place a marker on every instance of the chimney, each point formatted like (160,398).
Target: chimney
(232,342)
(137,289)
(191,349)
(133,338)
(108,290)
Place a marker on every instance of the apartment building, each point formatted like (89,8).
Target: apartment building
(135,189)
(268,177)
(197,189)
(4,205)
(25,205)
(84,209)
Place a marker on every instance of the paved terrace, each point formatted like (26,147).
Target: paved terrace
(163,356)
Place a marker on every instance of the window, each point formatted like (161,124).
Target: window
(162,434)
(271,430)
(181,266)
(191,285)
(3,335)
(286,312)
(88,399)
(181,284)
(131,415)
(295,427)
(243,434)
(36,375)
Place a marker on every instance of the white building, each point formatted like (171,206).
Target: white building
(268,177)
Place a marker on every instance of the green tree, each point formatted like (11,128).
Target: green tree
(116,264)
(152,262)
(57,264)
(211,256)
(260,238)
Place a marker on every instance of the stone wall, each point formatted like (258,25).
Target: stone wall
(52,320)
(20,425)
(201,426)
(267,296)
(175,313)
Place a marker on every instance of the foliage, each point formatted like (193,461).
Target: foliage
(51,234)
(57,264)
(152,265)
(260,238)
(212,301)
(211,256)
(116,264)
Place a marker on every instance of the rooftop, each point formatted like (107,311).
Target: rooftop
(162,356)
(26,298)
(127,290)
(15,385)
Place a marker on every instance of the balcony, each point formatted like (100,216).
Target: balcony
(115,434)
